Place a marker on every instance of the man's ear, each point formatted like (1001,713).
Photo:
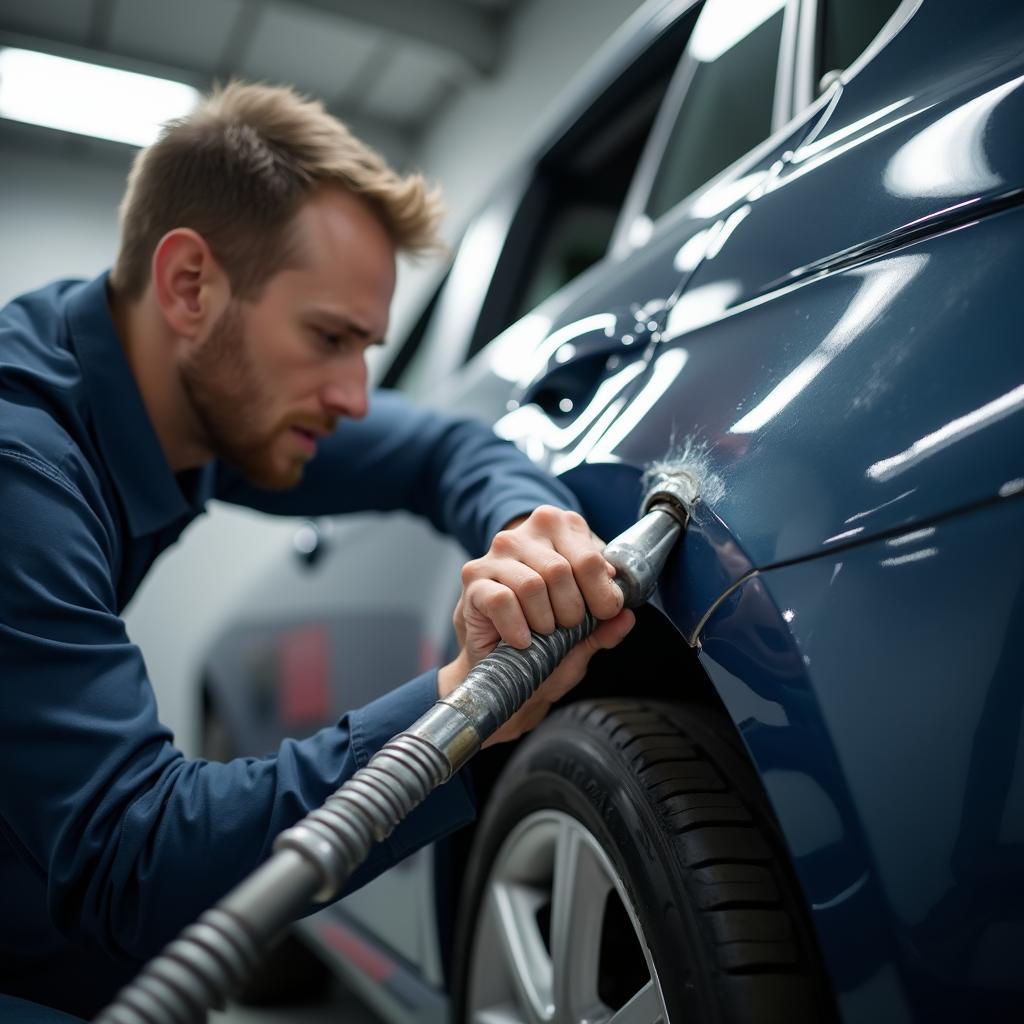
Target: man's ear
(189,285)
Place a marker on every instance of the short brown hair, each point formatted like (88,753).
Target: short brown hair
(237,169)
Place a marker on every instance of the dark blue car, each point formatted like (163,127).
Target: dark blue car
(780,241)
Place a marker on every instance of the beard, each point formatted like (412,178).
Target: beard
(233,406)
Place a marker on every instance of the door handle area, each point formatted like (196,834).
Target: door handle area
(561,390)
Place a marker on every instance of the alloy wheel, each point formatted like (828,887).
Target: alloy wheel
(558,940)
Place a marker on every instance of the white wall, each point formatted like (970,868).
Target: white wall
(58,202)
(58,211)
(482,128)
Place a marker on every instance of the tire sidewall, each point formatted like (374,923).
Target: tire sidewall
(563,767)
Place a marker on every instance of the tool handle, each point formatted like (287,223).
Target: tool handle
(498,686)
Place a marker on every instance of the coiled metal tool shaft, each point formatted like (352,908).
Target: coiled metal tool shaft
(214,957)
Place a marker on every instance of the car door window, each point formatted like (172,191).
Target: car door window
(572,205)
(727,108)
(564,220)
(845,28)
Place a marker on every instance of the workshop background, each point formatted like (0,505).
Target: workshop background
(455,88)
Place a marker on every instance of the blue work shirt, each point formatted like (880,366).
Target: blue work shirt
(110,840)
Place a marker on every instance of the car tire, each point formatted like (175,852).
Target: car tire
(628,862)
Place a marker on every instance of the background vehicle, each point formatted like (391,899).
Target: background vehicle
(783,245)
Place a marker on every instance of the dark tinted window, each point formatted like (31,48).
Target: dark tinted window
(846,29)
(568,216)
(727,109)
(570,208)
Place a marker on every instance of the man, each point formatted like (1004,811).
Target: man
(224,356)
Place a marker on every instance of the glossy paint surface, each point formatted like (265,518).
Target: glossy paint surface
(888,732)
(860,402)
(846,374)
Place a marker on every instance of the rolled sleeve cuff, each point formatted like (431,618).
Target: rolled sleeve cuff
(449,807)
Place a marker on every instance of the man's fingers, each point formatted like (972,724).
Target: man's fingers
(542,579)
(524,581)
(612,631)
(559,577)
(570,537)
(594,577)
(491,606)
(555,579)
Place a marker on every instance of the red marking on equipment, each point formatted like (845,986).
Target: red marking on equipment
(305,691)
(429,654)
(355,950)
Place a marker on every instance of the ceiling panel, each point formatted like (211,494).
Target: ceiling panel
(409,85)
(65,20)
(319,53)
(187,33)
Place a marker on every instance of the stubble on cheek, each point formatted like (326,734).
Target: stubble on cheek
(233,407)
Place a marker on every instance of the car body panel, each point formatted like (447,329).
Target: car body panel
(856,433)
(888,734)
(812,389)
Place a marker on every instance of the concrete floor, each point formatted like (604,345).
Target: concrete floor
(338,1007)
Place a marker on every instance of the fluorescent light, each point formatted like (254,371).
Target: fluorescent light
(88,99)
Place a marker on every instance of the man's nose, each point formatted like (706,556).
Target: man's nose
(345,393)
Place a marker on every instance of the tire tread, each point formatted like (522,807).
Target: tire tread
(730,868)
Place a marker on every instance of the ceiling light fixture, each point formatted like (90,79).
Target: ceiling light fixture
(88,99)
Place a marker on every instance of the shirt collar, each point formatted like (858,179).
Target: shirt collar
(148,488)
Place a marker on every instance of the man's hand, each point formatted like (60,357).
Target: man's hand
(541,571)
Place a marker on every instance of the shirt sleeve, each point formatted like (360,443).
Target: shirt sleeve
(133,840)
(455,471)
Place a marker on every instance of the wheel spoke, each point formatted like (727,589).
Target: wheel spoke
(497,1015)
(579,890)
(526,957)
(549,935)
(643,1008)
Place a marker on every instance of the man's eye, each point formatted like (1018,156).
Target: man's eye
(332,339)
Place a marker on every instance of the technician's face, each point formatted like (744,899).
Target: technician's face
(275,374)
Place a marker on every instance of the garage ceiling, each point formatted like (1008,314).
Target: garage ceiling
(380,64)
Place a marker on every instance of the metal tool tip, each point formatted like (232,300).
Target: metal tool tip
(682,479)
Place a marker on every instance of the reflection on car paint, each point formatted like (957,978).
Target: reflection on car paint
(699,306)
(821,144)
(947,158)
(529,370)
(956,430)
(845,535)
(526,421)
(505,355)
(878,508)
(825,156)
(663,373)
(913,556)
(880,285)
